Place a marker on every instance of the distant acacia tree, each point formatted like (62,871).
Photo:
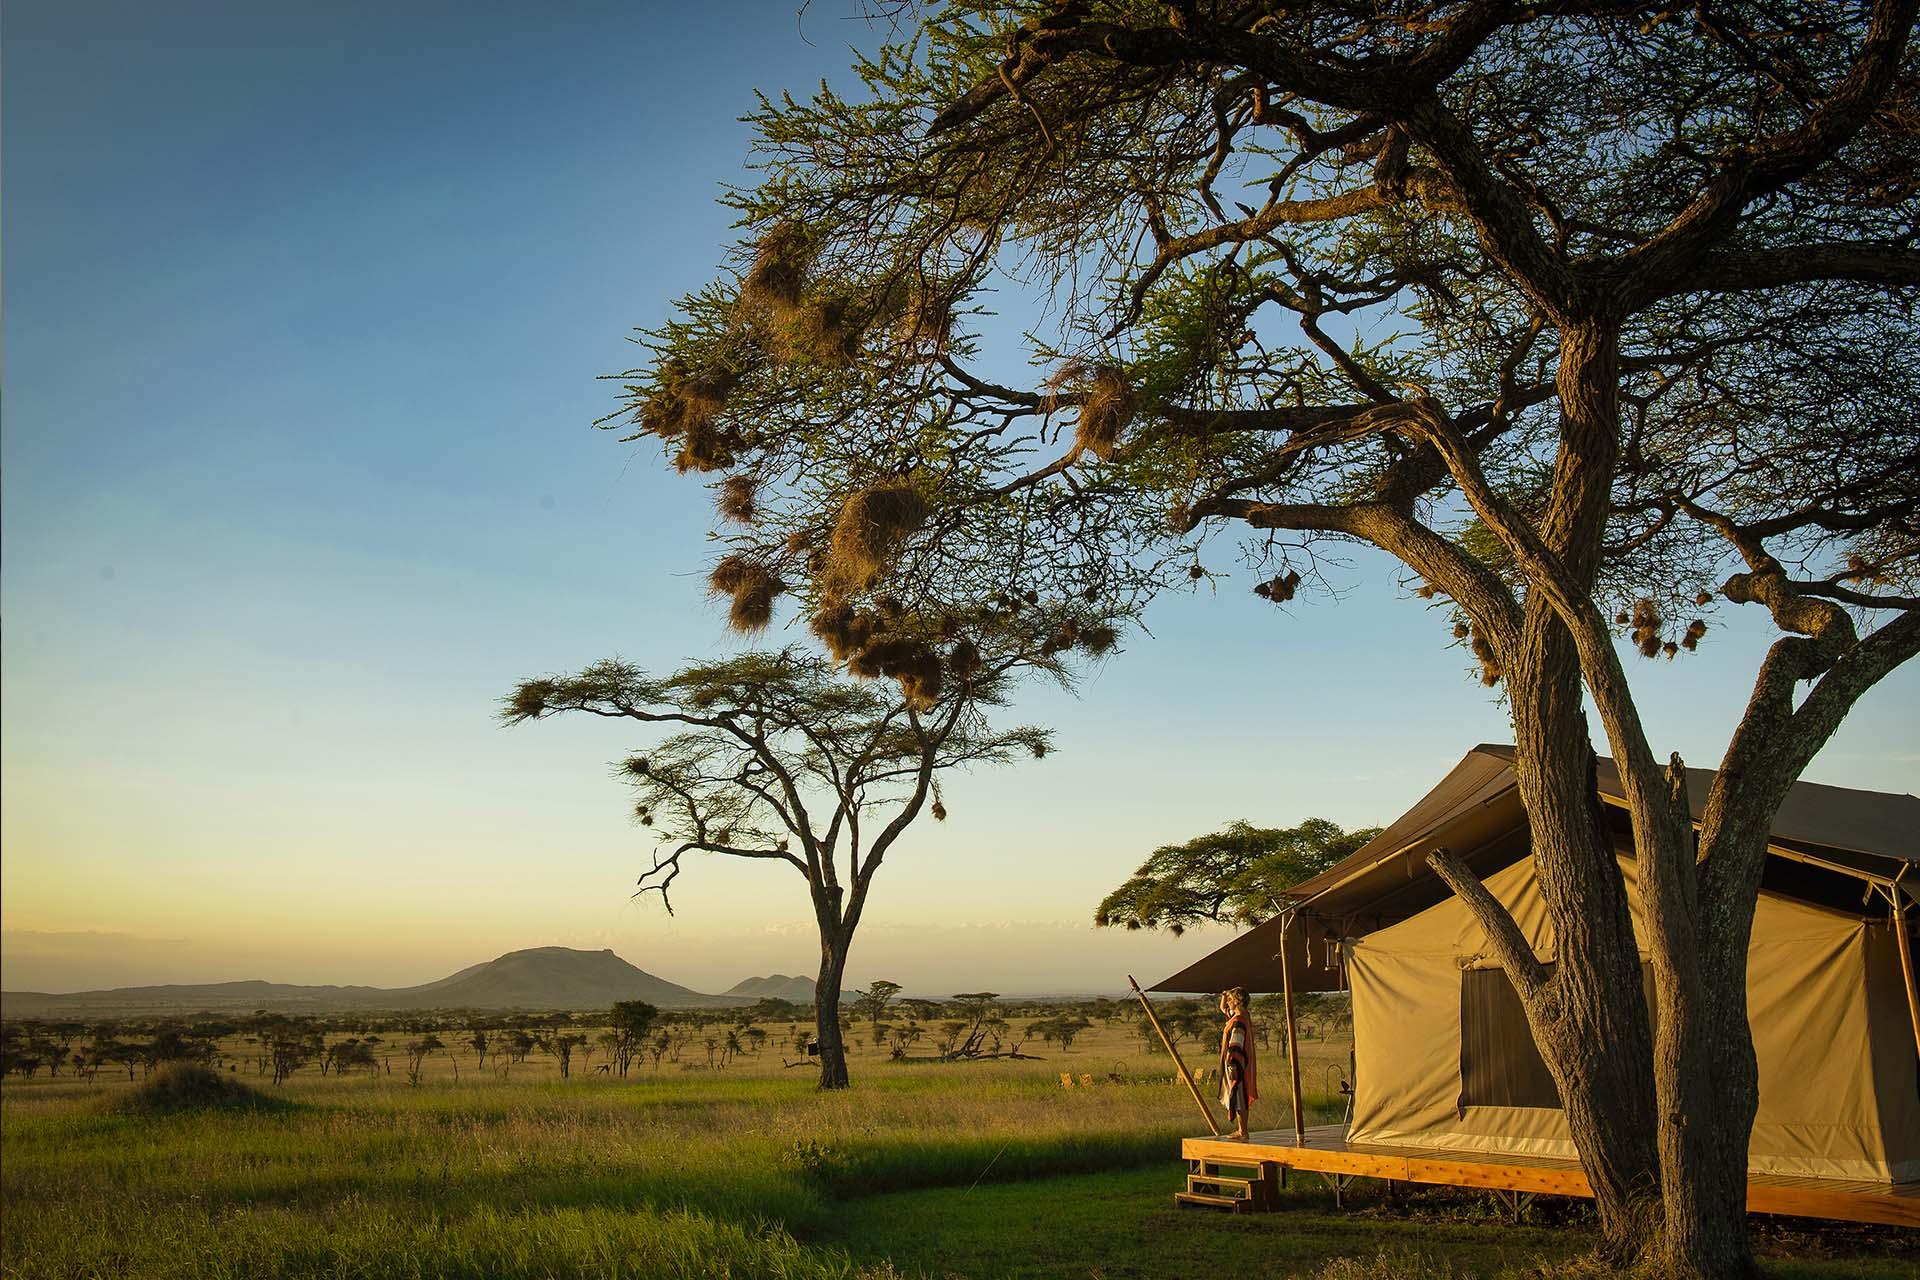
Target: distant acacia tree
(520,1043)
(561,1044)
(1239,874)
(782,759)
(871,1002)
(344,1055)
(628,1023)
(287,1043)
(418,1051)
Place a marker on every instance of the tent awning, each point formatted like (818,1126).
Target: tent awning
(1476,810)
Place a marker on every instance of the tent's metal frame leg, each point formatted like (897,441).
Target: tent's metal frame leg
(1339,1182)
(1515,1203)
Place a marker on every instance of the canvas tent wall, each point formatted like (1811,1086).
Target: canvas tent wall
(1443,1057)
(1443,1061)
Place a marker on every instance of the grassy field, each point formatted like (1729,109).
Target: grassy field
(975,1170)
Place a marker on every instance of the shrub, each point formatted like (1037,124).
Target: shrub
(194,1086)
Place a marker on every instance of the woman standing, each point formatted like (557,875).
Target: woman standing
(1238,1077)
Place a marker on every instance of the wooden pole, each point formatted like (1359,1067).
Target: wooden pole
(1293,1043)
(1193,1089)
(1906,959)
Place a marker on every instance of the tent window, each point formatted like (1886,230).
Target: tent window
(1500,1066)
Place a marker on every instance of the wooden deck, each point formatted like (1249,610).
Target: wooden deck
(1327,1151)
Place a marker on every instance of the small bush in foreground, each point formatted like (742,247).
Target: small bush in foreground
(192,1086)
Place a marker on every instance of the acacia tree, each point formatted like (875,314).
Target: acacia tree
(782,759)
(628,1023)
(1595,315)
(871,1002)
(1237,874)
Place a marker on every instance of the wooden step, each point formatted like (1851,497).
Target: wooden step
(1195,1181)
(1236,1204)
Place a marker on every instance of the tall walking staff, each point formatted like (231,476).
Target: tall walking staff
(1146,1004)
(1293,1045)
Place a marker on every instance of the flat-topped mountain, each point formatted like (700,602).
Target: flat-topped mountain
(778,986)
(537,978)
(549,978)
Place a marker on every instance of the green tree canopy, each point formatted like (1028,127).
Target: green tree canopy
(1239,874)
(781,758)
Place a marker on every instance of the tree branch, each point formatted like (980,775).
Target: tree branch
(1735,271)
(1509,945)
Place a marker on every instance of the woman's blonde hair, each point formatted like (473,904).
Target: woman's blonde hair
(1236,998)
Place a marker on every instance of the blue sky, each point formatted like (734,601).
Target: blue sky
(304,310)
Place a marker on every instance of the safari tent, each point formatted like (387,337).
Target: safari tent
(1446,1073)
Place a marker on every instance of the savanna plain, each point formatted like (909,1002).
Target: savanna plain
(732,1163)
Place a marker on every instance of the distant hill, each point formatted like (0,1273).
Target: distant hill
(777,986)
(537,978)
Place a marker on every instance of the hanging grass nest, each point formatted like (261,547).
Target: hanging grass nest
(883,656)
(1695,629)
(795,326)
(866,640)
(775,282)
(1280,588)
(1489,664)
(873,525)
(964,658)
(844,630)
(1097,639)
(1105,412)
(825,331)
(1646,623)
(923,678)
(686,405)
(1064,637)
(912,662)
(683,399)
(736,499)
(753,588)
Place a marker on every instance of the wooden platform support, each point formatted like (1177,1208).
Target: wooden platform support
(1514,1179)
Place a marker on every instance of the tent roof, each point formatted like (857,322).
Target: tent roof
(1476,810)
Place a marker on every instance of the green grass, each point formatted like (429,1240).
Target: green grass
(1123,1226)
(967,1171)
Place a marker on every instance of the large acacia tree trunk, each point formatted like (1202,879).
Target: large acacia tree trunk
(1589,1013)
(1708,1093)
(834,940)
